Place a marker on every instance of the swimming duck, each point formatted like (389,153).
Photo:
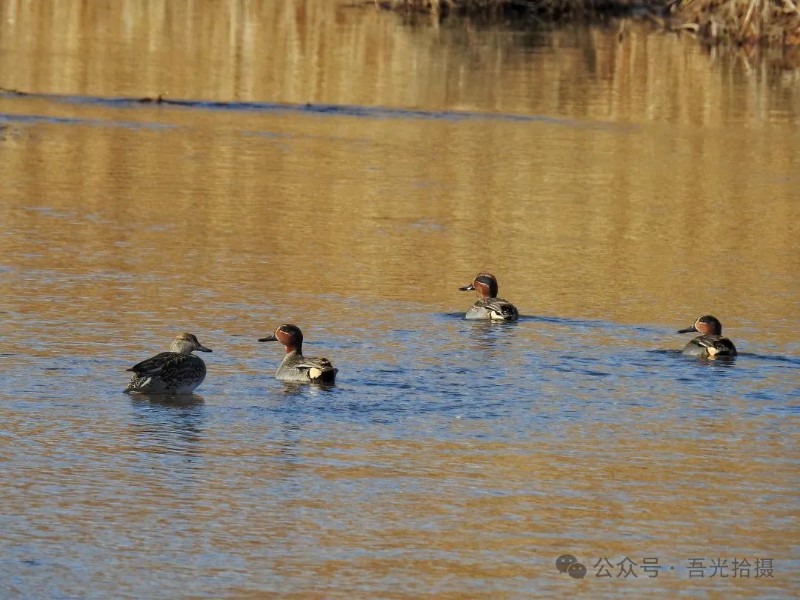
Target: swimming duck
(175,372)
(295,367)
(710,341)
(489,306)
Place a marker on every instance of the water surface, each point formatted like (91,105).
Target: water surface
(347,171)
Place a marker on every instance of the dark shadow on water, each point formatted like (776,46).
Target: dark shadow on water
(576,324)
(483,334)
(459,316)
(665,352)
(335,110)
(788,361)
(175,400)
(724,361)
(721,361)
(169,426)
(701,372)
(306,389)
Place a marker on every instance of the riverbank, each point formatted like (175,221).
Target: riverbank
(743,22)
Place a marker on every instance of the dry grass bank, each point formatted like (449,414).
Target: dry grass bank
(744,21)
(733,21)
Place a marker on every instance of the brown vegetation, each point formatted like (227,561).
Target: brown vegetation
(540,8)
(736,21)
(744,21)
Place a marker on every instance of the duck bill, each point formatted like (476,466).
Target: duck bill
(688,330)
(269,338)
(204,349)
(466,288)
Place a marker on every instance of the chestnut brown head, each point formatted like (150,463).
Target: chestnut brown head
(484,283)
(705,325)
(289,335)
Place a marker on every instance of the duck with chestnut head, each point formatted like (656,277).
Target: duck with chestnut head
(710,342)
(295,367)
(488,305)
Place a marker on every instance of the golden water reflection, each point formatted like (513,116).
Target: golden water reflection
(327,52)
(652,225)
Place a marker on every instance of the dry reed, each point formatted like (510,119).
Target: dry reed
(736,21)
(744,21)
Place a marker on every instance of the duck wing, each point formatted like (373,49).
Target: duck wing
(317,368)
(716,345)
(157,363)
(500,309)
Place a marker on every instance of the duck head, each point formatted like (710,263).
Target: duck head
(289,335)
(705,325)
(186,343)
(484,283)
